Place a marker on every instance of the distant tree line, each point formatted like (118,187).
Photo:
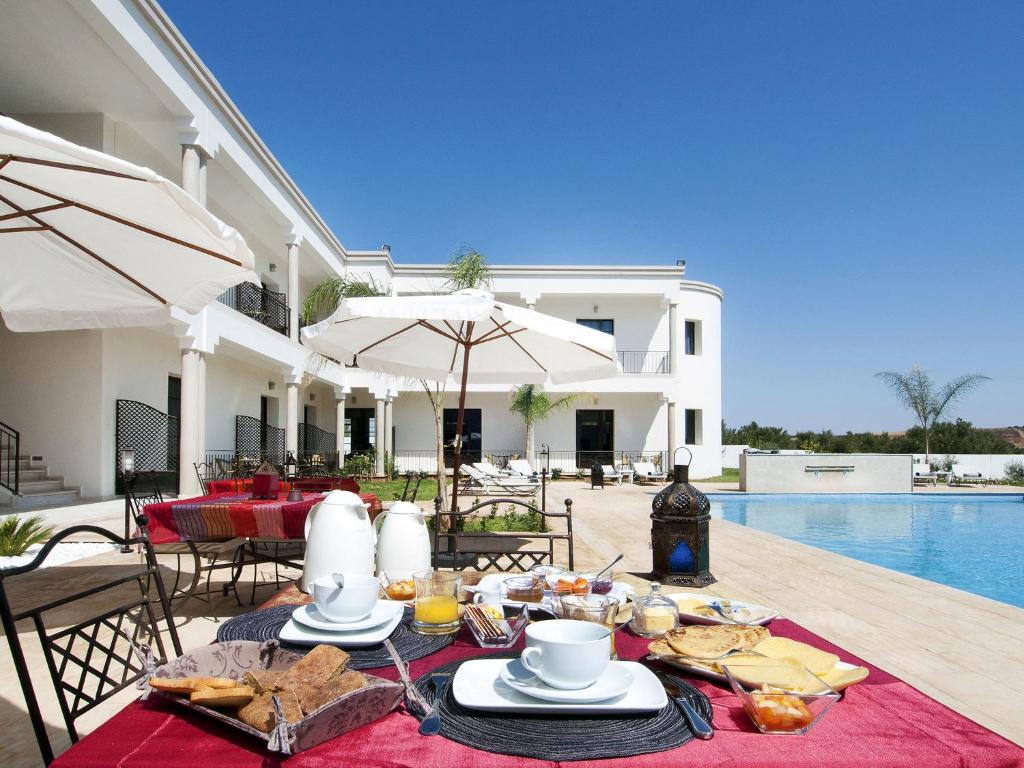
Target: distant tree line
(945,437)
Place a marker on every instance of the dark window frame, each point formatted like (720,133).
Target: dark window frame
(598,324)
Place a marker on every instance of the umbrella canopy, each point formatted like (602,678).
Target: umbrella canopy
(88,240)
(426,337)
(467,336)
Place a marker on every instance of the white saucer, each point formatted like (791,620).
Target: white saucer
(478,685)
(300,634)
(383,611)
(614,681)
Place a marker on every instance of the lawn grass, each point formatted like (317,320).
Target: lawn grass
(728,475)
(391,490)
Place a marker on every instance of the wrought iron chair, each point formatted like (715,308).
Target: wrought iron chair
(219,555)
(205,472)
(97,656)
(488,546)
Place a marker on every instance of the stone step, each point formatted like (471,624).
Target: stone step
(44,485)
(45,499)
(35,473)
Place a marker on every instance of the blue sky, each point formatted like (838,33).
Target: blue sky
(852,175)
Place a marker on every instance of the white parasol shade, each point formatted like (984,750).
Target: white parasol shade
(467,336)
(88,240)
(425,337)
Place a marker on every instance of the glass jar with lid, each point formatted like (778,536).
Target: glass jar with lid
(655,614)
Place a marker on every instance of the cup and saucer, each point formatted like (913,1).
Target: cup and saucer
(565,668)
(349,614)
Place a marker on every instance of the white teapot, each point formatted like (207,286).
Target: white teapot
(339,538)
(403,541)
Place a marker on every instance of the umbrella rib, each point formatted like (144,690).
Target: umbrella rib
(5,161)
(455,349)
(69,167)
(435,329)
(44,209)
(11,230)
(389,336)
(124,222)
(515,341)
(599,354)
(82,248)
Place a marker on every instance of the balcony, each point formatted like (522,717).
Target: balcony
(645,363)
(268,308)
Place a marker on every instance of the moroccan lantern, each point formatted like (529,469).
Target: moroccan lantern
(680,520)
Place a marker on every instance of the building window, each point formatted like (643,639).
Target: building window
(604,326)
(691,337)
(693,427)
(595,432)
(472,438)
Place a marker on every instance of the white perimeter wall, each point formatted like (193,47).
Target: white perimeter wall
(872,473)
(50,391)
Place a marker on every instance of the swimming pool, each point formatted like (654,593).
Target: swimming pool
(974,543)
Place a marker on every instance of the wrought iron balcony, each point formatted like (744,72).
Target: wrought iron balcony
(645,362)
(266,307)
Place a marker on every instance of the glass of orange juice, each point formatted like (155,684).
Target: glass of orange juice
(437,602)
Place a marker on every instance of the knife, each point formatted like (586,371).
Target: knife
(700,727)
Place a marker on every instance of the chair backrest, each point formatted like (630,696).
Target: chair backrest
(204,473)
(473,472)
(488,468)
(521,466)
(608,469)
(644,468)
(142,489)
(107,648)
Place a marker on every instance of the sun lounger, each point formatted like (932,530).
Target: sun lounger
(476,481)
(489,469)
(968,478)
(611,473)
(647,472)
(923,478)
(522,467)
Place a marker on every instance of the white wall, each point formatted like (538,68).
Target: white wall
(992,466)
(641,322)
(50,391)
(872,473)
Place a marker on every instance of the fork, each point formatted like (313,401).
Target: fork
(431,724)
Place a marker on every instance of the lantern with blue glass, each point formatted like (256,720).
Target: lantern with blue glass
(680,521)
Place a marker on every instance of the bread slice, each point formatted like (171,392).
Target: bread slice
(182,685)
(709,642)
(311,699)
(264,680)
(315,668)
(223,698)
(259,713)
(818,661)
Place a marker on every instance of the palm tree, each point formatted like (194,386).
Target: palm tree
(534,404)
(919,393)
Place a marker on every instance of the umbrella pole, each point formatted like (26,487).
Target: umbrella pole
(460,418)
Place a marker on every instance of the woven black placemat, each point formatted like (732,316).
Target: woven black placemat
(563,737)
(266,625)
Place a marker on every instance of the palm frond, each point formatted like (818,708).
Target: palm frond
(325,297)
(17,534)
(954,390)
(467,268)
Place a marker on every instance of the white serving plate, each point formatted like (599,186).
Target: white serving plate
(692,618)
(382,612)
(294,632)
(620,590)
(707,673)
(478,685)
(613,682)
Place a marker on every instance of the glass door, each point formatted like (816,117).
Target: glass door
(595,430)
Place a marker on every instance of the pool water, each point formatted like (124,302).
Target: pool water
(974,543)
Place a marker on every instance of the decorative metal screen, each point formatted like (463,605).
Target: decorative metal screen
(263,306)
(257,440)
(314,441)
(151,434)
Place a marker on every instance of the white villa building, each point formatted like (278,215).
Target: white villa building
(117,76)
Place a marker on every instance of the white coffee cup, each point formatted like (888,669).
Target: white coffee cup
(567,654)
(488,596)
(348,603)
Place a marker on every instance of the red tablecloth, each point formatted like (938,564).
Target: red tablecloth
(225,516)
(879,722)
(305,484)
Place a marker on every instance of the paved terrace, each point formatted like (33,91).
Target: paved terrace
(966,651)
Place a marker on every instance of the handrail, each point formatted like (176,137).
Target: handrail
(10,447)
(266,307)
(645,362)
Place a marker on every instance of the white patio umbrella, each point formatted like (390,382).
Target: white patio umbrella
(88,240)
(466,336)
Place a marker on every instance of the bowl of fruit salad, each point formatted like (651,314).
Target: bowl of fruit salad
(774,707)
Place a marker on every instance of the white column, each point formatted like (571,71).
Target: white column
(188,483)
(201,189)
(201,406)
(673,339)
(389,423)
(291,415)
(339,422)
(671,411)
(293,288)
(191,169)
(379,425)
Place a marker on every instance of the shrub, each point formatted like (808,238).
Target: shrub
(1015,472)
(556,474)
(17,534)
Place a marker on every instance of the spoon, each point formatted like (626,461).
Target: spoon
(339,579)
(613,562)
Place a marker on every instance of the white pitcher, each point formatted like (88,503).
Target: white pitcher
(339,538)
(403,544)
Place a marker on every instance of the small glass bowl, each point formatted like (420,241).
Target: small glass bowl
(526,589)
(787,714)
(600,586)
(511,628)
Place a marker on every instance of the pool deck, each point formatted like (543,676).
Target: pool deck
(964,650)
